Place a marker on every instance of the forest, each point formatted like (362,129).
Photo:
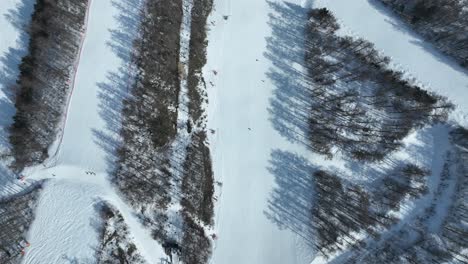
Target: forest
(149,159)
(116,244)
(359,105)
(16,215)
(45,79)
(441,22)
(364,109)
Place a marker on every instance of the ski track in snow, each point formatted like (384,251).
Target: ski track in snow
(244,138)
(66,225)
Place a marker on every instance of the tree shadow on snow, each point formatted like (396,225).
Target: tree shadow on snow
(19,18)
(116,89)
(290,104)
(290,204)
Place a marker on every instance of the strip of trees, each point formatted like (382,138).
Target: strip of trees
(343,211)
(359,105)
(149,129)
(16,216)
(44,81)
(441,22)
(198,179)
(149,117)
(116,245)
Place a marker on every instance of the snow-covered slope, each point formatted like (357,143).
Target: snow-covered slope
(65,228)
(244,139)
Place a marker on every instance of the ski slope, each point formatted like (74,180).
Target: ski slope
(65,229)
(244,140)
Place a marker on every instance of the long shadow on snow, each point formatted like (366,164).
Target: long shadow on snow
(19,17)
(290,204)
(290,104)
(116,89)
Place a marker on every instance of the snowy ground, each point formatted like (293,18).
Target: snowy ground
(244,139)
(256,164)
(65,228)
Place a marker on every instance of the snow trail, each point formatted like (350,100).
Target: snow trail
(244,138)
(66,224)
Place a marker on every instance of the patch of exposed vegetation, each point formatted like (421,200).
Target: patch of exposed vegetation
(115,242)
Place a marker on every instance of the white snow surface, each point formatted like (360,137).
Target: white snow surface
(66,224)
(244,139)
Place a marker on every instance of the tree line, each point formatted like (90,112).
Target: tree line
(360,105)
(147,157)
(343,211)
(44,80)
(16,216)
(441,22)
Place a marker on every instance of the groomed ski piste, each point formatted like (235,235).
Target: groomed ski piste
(245,146)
